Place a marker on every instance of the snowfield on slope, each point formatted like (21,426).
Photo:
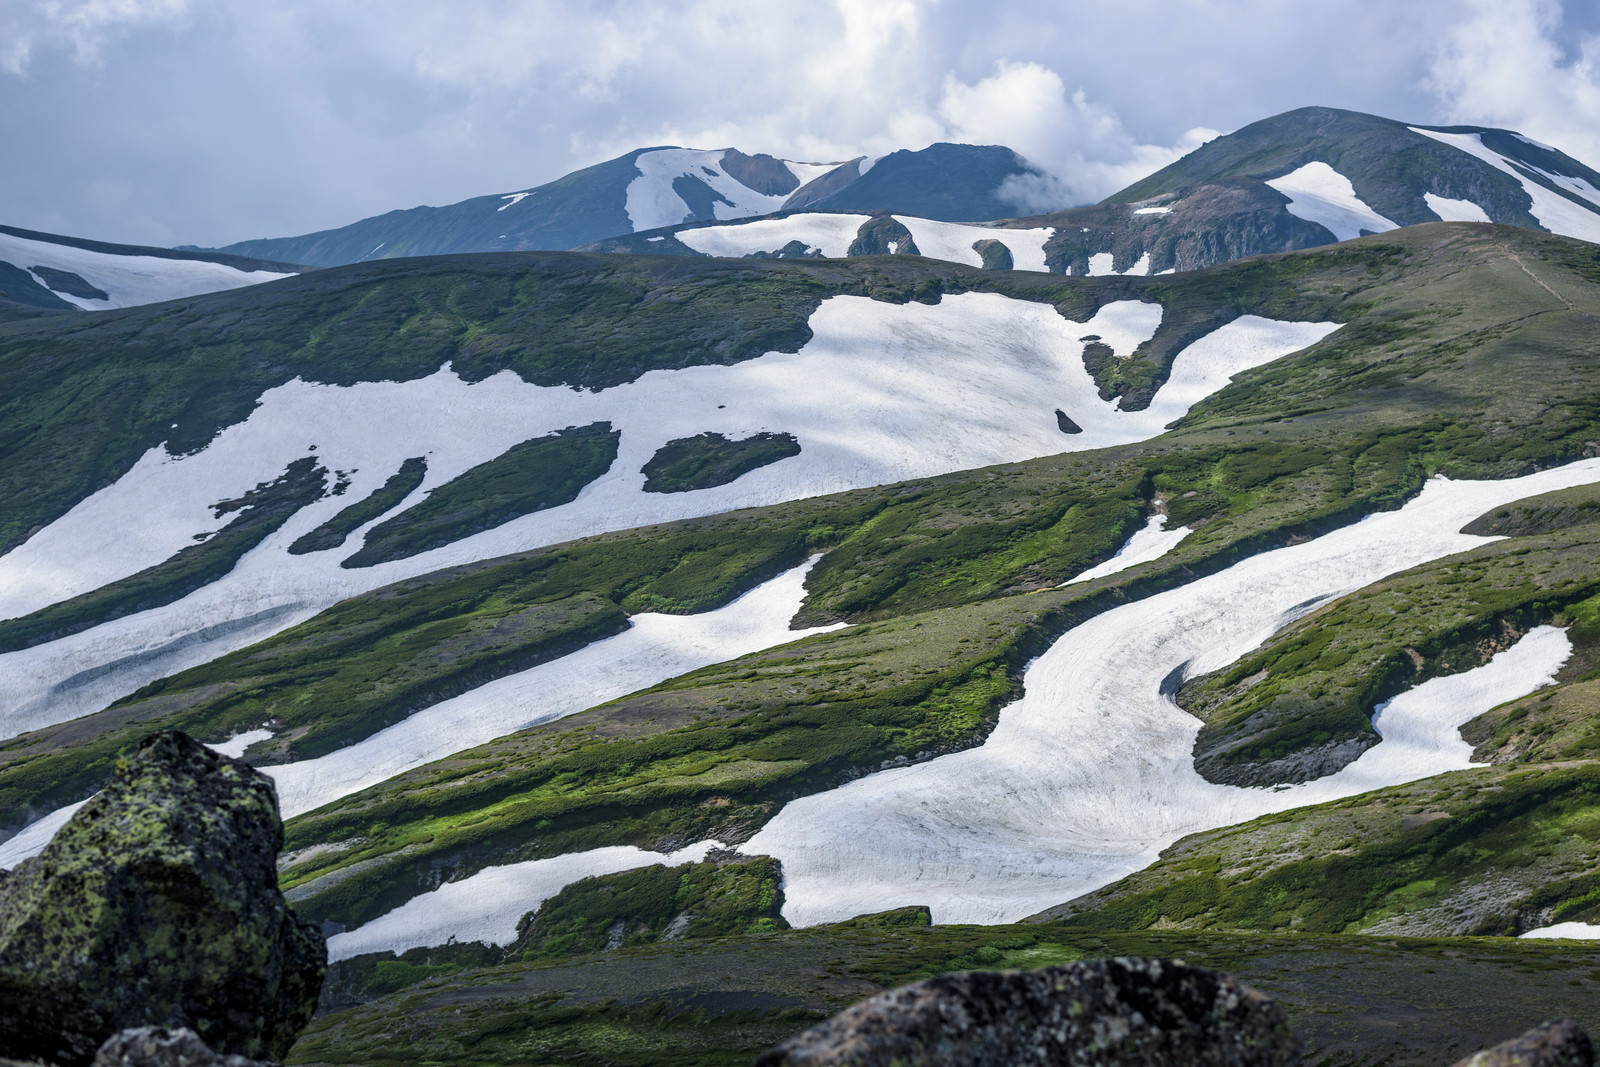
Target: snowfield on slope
(1320,194)
(1555,212)
(1089,775)
(832,234)
(652,202)
(127,281)
(882,393)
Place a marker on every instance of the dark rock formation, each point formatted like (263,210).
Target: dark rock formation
(158,904)
(1102,1012)
(156,1046)
(1557,1044)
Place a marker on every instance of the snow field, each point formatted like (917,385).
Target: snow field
(929,389)
(1089,775)
(652,202)
(1102,264)
(487,906)
(1320,194)
(832,234)
(127,280)
(1555,212)
(1150,541)
(1455,210)
(654,648)
(1569,931)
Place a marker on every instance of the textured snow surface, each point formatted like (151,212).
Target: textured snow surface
(1569,931)
(127,280)
(1087,777)
(1150,541)
(832,234)
(653,202)
(972,381)
(1555,212)
(653,649)
(486,906)
(1455,210)
(1320,194)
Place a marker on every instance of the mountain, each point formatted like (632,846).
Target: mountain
(654,187)
(46,272)
(1298,180)
(559,577)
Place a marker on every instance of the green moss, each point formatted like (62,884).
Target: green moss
(711,459)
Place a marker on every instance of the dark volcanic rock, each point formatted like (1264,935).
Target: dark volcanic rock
(1102,1012)
(158,904)
(156,1046)
(1557,1044)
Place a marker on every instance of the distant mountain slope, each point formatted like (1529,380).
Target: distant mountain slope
(1301,179)
(47,272)
(1318,175)
(652,188)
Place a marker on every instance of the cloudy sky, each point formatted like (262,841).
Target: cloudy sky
(211,121)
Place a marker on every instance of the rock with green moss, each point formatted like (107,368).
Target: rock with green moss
(158,904)
(1098,1013)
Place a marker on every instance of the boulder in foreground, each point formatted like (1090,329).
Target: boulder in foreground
(158,904)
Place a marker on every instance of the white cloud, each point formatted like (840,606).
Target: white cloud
(81,25)
(1504,64)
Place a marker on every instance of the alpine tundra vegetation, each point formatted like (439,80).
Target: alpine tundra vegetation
(655,653)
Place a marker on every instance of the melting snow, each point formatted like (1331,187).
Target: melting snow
(1153,210)
(1455,210)
(1555,212)
(1148,542)
(235,745)
(653,649)
(1569,931)
(834,233)
(653,203)
(487,906)
(1320,194)
(1088,776)
(127,280)
(972,381)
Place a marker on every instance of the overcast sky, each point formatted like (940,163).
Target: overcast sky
(211,121)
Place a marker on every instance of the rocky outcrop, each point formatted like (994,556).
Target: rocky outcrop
(156,1046)
(1555,1044)
(158,904)
(1101,1012)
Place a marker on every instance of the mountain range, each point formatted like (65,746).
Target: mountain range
(656,652)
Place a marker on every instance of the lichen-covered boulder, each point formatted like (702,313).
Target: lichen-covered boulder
(158,904)
(1094,1014)
(1555,1044)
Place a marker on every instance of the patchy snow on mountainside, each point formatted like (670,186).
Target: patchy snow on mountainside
(1555,212)
(487,906)
(127,281)
(1567,931)
(654,648)
(1450,210)
(1150,541)
(652,202)
(972,381)
(1320,194)
(832,234)
(1087,777)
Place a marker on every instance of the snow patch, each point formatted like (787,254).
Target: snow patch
(834,233)
(1101,264)
(512,200)
(1153,210)
(1090,775)
(1455,210)
(652,202)
(1569,931)
(653,649)
(1151,541)
(128,281)
(1320,194)
(488,905)
(1555,212)
(30,841)
(235,745)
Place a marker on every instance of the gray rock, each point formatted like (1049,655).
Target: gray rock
(158,904)
(1101,1012)
(156,1046)
(1556,1044)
